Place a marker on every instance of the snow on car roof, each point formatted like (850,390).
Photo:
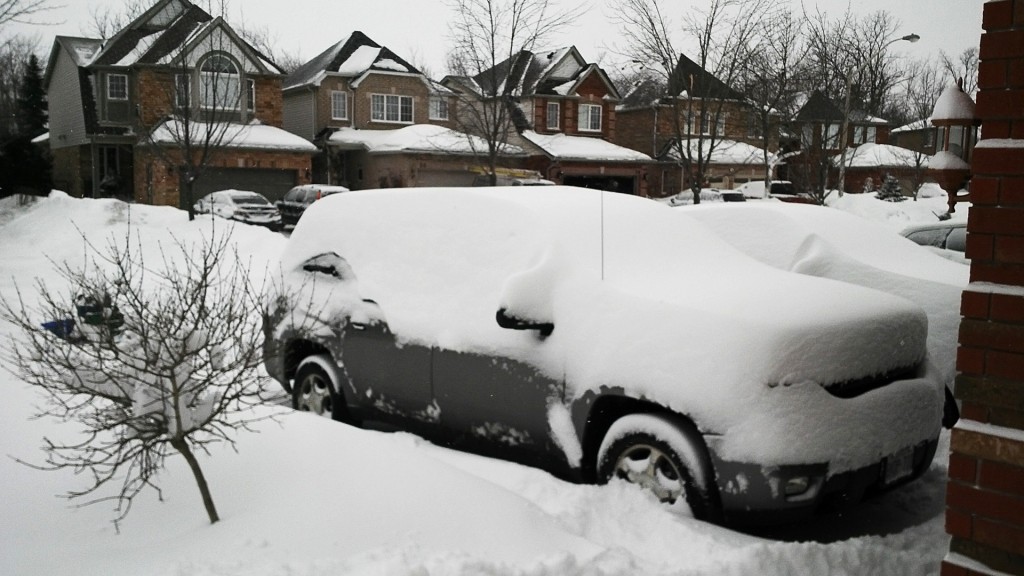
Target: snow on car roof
(629,293)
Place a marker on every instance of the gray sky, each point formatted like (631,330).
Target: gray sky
(417,29)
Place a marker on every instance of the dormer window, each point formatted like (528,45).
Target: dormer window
(220,84)
(590,118)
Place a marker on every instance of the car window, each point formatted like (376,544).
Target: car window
(249,199)
(931,237)
(311,195)
(957,239)
(293,195)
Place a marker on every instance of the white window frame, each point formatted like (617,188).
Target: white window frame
(586,116)
(337,95)
(226,85)
(110,87)
(382,107)
(250,105)
(438,108)
(554,119)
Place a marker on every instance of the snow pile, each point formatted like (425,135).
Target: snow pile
(307,496)
(953,104)
(898,215)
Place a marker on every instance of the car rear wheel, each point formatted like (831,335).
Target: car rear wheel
(314,389)
(662,455)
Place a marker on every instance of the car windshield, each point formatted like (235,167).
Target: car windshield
(249,199)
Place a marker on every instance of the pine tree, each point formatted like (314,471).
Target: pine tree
(25,168)
(891,190)
(33,110)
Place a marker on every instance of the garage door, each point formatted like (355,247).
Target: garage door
(271,183)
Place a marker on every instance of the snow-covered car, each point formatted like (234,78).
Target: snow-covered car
(947,235)
(299,198)
(593,335)
(240,205)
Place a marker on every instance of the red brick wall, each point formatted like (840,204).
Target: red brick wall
(985,497)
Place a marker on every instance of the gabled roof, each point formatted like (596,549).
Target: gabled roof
(690,78)
(526,73)
(582,148)
(352,56)
(819,108)
(158,35)
(80,50)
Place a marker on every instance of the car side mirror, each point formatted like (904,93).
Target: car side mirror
(506,320)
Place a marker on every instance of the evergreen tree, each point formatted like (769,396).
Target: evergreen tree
(891,190)
(32,105)
(25,168)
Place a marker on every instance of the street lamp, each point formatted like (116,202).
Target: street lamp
(844,133)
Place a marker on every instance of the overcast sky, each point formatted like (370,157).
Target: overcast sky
(418,31)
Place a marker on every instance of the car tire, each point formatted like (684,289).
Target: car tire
(664,455)
(314,389)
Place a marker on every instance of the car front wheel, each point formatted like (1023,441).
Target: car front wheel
(663,456)
(313,390)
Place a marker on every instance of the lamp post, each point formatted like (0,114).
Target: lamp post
(844,133)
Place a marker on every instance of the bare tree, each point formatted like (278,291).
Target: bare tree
(963,66)
(14,55)
(769,80)
(22,10)
(158,358)
(107,20)
(726,36)
(489,39)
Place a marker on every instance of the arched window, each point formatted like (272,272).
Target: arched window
(220,83)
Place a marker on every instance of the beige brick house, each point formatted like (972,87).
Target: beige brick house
(345,96)
(117,107)
(563,116)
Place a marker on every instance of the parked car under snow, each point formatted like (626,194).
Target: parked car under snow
(240,205)
(603,336)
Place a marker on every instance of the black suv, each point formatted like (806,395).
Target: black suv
(299,198)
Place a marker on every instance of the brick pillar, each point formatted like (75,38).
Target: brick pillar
(985,496)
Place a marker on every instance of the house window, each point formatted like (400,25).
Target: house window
(703,126)
(220,83)
(182,91)
(753,127)
(590,118)
(391,108)
(872,135)
(438,108)
(250,103)
(117,87)
(929,137)
(831,134)
(719,122)
(339,105)
(554,115)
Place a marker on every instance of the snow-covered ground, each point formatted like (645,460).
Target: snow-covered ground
(308,496)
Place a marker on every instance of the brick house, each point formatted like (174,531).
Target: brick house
(356,88)
(985,494)
(563,116)
(699,115)
(174,65)
(816,133)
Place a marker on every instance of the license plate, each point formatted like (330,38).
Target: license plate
(899,465)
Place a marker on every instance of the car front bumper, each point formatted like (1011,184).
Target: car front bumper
(754,494)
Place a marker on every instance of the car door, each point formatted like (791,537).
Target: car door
(494,399)
(390,379)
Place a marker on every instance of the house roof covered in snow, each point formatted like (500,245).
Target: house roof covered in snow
(872,155)
(251,136)
(351,56)
(723,152)
(418,138)
(565,147)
